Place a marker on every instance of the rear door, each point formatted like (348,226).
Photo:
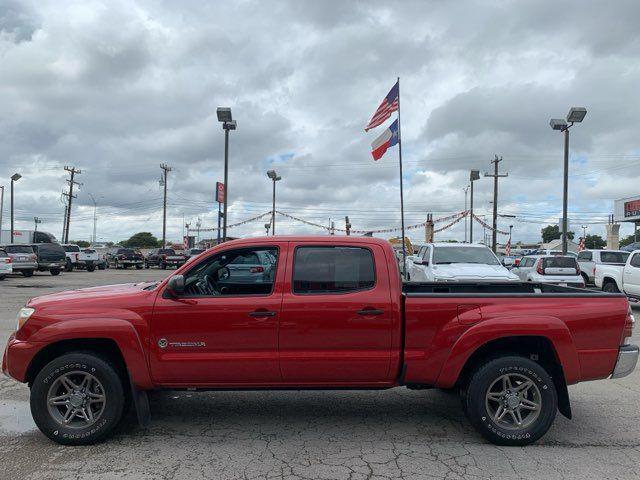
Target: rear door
(337,317)
(631,279)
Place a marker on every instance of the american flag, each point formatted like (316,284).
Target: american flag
(508,248)
(386,108)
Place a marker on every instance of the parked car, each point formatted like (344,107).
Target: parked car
(458,262)
(589,259)
(553,269)
(84,258)
(631,247)
(333,314)
(163,258)
(102,251)
(5,265)
(23,259)
(119,257)
(509,260)
(50,256)
(193,252)
(621,278)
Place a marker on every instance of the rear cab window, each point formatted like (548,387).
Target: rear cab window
(18,249)
(614,257)
(332,269)
(71,248)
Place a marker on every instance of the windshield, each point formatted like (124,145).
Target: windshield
(447,255)
(18,249)
(559,262)
(614,257)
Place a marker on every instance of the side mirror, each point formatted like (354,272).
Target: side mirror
(175,287)
(421,262)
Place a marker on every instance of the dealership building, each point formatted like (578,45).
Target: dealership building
(627,210)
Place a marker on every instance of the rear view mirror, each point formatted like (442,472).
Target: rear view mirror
(175,286)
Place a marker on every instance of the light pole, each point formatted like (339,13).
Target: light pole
(575,115)
(267,226)
(14,178)
(1,206)
(466,189)
(473,176)
(36,221)
(224,117)
(95,216)
(273,176)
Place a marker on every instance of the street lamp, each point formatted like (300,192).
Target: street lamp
(466,190)
(267,226)
(273,176)
(575,115)
(473,176)
(95,217)
(224,117)
(14,178)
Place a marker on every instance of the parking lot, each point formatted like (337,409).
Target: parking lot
(340,434)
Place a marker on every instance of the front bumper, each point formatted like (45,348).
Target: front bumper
(627,361)
(17,357)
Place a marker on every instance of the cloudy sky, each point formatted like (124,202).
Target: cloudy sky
(116,88)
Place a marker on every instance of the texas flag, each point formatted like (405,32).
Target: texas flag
(387,139)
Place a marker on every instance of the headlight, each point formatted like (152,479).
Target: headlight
(23,316)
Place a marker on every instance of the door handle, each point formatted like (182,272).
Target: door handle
(370,311)
(262,313)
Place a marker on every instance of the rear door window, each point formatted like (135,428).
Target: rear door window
(321,270)
(585,256)
(614,257)
(559,262)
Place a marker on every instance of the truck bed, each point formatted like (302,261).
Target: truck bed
(445,322)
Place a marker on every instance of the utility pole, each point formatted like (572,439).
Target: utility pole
(495,176)
(165,170)
(36,221)
(70,196)
(347,226)
(473,176)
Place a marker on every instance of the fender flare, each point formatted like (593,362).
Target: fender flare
(122,332)
(612,278)
(550,328)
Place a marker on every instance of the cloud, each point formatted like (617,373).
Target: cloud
(116,88)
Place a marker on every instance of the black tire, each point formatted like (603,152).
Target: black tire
(585,277)
(102,266)
(115,265)
(113,393)
(91,268)
(125,266)
(163,266)
(27,273)
(477,407)
(54,271)
(138,266)
(610,286)
(2,277)
(146,264)
(68,267)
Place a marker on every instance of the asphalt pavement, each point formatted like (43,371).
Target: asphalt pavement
(314,434)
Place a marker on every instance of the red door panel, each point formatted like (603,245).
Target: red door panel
(342,338)
(221,340)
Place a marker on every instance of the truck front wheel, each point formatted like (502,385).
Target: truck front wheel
(77,399)
(511,401)
(610,286)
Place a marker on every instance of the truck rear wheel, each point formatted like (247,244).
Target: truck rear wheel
(77,399)
(27,273)
(91,268)
(610,286)
(54,271)
(511,401)
(68,266)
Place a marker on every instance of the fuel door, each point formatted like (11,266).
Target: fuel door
(468,314)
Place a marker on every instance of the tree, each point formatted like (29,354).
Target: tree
(594,242)
(141,240)
(627,241)
(80,243)
(552,232)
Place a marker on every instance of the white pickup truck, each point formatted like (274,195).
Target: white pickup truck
(621,278)
(80,258)
(457,262)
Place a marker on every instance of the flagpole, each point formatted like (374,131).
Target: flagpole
(404,251)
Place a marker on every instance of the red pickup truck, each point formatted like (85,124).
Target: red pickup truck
(315,312)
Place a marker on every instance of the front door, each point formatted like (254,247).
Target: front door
(337,320)
(224,329)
